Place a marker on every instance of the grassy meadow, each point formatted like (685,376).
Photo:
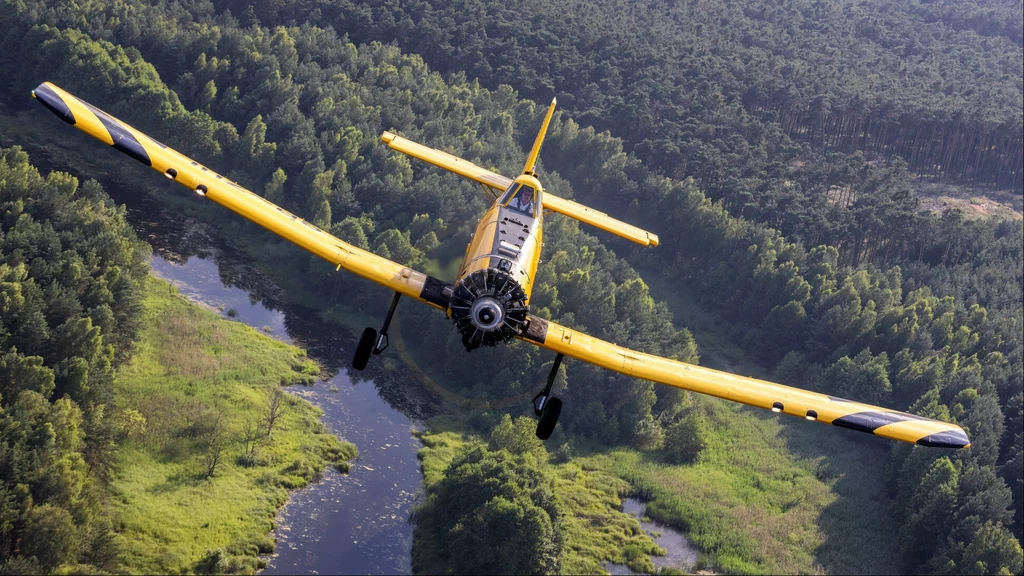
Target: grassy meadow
(769,495)
(201,388)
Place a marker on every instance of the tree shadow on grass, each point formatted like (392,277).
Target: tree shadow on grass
(860,535)
(177,481)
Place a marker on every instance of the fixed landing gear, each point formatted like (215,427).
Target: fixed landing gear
(548,408)
(372,343)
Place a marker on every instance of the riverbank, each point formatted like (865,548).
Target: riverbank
(201,387)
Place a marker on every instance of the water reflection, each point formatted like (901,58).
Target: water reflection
(679,553)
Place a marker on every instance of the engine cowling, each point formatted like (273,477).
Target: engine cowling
(488,307)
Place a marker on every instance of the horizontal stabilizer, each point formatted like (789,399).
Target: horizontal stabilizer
(446,161)
(599,219)
(494,180)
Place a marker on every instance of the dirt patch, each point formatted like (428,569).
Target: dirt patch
(973,202)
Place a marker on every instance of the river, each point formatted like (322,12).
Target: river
(356,523)
(352,523)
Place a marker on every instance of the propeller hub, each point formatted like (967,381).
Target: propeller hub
(487,313)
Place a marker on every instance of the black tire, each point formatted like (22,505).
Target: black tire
(548,418)
(366,343)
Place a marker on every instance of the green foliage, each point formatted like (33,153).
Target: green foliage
(686,438)
(761,499)
(577,512)
(865,377)
(50,536)
(495,512)
(71,279)
(201,383)
(518,437)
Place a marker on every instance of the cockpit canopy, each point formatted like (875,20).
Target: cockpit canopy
(522,196)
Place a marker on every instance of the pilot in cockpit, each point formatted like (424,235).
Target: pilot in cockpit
(523,202)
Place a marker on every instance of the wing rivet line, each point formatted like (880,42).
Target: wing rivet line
(811,415)
(202,189)
(777,407)
(171,173)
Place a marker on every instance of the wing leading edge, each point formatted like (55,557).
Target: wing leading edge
(750,391)
(213,186)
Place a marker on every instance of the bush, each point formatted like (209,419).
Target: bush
(687,438)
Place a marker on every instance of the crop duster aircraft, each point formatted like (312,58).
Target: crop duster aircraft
(489,303)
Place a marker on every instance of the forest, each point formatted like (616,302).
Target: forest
(791,189)
(72,287)
(765,104)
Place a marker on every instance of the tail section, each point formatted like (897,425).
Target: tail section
(531,160)
(500,183)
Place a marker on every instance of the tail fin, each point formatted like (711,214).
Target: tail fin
(531,160)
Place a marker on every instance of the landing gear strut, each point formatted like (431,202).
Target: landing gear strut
(370,342)
(548,408)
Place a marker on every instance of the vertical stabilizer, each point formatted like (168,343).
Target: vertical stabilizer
(531,160)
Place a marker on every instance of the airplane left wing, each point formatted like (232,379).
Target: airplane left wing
(213,186)
(750,391)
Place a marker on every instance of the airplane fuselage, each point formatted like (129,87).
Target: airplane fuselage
(490,300)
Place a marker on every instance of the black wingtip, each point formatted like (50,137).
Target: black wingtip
(47,97)
(947,439)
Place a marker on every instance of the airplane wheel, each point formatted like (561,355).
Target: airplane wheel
(364,349)
(548,418)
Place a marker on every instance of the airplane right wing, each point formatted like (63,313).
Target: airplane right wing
(599,219)
(770,396)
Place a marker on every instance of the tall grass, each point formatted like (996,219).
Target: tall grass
(190,367)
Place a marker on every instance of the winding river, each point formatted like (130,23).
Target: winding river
(351,523)
(356,523)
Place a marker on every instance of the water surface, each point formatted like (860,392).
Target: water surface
(679,552)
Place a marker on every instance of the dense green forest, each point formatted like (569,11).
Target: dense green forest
(790,113)
(73,274)
(99,402)
(931,82)
(834,280)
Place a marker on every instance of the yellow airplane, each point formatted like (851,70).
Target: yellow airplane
(489,302)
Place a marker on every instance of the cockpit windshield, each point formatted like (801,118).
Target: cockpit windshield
(521,198)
